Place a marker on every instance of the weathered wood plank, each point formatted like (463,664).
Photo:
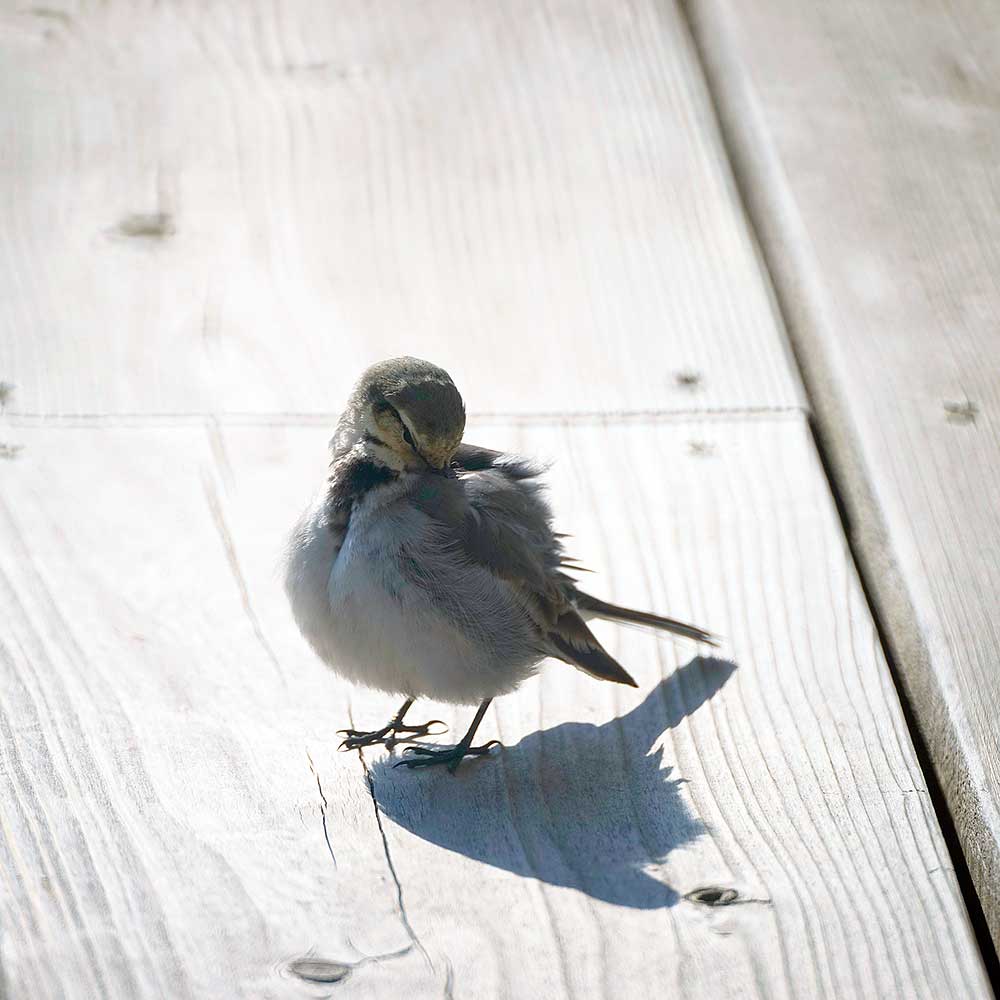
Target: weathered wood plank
(232,208)
(868,136)
(166,778)
(162,821)
(235,207)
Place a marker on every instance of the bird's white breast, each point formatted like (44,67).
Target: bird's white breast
(372,625)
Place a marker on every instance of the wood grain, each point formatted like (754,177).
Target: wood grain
(171,782)
(213,216)
(166,787)
(868,139)
(234,207)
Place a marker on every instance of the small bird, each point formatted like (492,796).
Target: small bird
(429,568)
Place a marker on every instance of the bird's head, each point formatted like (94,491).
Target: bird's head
(407,412)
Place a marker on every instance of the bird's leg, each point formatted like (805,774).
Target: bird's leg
(453,756)
(389,735)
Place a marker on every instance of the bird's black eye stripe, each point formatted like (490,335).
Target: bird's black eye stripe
(383,406)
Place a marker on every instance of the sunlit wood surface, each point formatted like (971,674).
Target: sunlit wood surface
(214,216)
(875,184)
(233,207)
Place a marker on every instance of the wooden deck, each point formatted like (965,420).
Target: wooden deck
(215,215)
(880,220)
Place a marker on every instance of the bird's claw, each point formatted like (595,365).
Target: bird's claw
(390,735)
(424,728)
(452,756)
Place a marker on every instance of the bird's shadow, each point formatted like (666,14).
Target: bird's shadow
(578,805)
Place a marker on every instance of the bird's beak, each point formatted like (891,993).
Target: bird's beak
(438,459)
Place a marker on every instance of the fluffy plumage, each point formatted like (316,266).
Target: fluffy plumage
(429,567)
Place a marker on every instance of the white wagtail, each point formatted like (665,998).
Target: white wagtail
(429,567)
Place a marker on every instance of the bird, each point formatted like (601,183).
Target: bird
(429,568)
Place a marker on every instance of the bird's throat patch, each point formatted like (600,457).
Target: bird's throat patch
(350,480)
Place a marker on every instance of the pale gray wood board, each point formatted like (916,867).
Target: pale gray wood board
(170,773)
(237,207)
(232,209)
(868,140)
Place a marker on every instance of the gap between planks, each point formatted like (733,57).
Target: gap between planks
(743,179)
(541,417)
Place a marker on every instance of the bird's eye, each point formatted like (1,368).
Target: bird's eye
(408,438)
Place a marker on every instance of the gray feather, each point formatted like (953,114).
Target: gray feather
(494,515)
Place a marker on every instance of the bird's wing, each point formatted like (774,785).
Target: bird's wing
(473,458)
(521,472)
(494,514)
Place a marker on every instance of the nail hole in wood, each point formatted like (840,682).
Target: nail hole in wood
(712,895)
(701,449)
(146,226)
(960,413)
(318,970)
(51,14)
(688,379)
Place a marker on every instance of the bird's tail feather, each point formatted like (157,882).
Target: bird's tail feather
(614,612)
(571,640)
(593,660)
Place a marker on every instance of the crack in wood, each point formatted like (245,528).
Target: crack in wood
(400,903)
(323,808)
(314,969)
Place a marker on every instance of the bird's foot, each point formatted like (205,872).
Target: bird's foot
(388,736)
(452,756)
